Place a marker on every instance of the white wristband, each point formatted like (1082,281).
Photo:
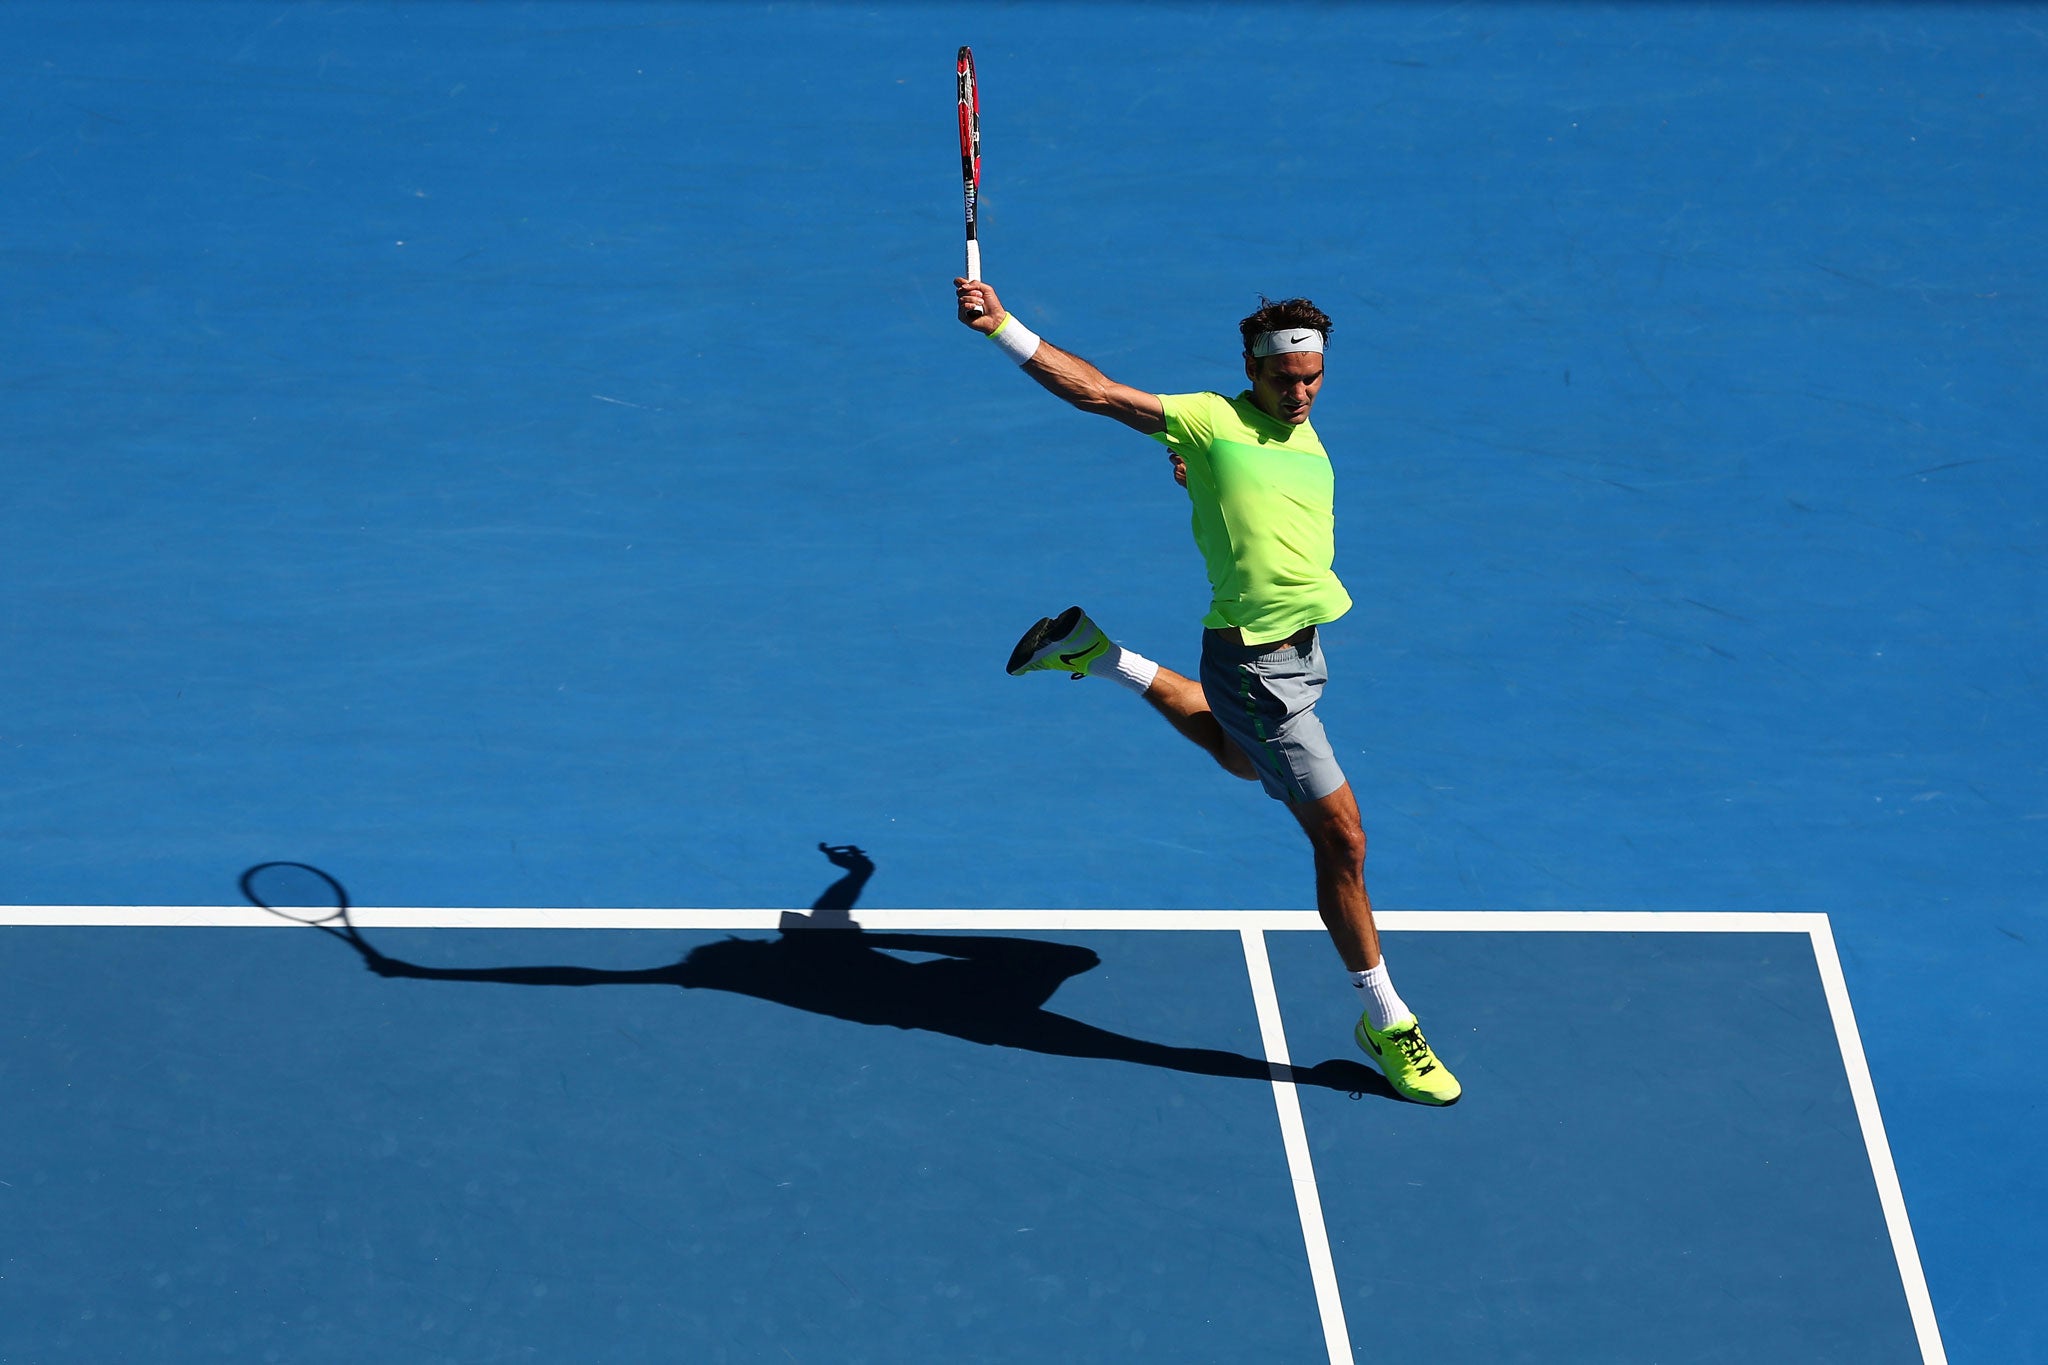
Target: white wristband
(1015,340)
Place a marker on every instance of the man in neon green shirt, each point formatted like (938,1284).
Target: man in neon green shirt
(1262,492)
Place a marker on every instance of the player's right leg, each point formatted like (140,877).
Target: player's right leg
(1071,643)
(1182,702)
(1067,643)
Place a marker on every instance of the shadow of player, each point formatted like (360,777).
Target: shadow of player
(982,988)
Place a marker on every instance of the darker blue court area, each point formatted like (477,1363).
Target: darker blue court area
(865,1146)
(523,455)
(1674,1175)
(243,1145)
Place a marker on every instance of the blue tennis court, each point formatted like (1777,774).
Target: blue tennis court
(533,1143)
(521,459)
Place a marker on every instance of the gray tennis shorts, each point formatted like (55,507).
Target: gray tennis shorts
(1265,700)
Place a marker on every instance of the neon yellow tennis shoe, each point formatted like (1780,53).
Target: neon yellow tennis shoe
(1069,642)
(1412,1069)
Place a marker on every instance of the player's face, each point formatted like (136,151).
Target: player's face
(1285,386)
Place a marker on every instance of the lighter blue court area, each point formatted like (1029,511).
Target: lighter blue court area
(523,456)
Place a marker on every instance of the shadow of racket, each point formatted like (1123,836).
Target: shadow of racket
(304,894)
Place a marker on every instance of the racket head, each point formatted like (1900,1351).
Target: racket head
(296,891)
(970,134)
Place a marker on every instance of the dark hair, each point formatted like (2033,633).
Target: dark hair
(1272,316)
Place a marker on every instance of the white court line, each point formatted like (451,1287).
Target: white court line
(1247,923)
(1322,1269)
(1052,921)
(1889,1193)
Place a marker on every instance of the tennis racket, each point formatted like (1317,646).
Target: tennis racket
(970,155)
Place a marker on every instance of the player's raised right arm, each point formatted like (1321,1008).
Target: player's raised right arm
(1089,389)
(1063,373)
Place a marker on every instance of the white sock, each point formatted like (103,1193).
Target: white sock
(1125,666)
(1382,1005)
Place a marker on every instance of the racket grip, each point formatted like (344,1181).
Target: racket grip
(973,260)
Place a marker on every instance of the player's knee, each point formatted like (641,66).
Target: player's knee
(1341,841)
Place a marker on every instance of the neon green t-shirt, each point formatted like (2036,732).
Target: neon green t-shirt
(1264,514)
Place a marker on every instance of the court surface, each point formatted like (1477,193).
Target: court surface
(1027,1133)
(522,457)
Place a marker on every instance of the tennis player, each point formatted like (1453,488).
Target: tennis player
(1262,489)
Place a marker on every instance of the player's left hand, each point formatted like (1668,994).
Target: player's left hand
(1180,468)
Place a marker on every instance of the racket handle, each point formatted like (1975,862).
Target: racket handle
(973,263)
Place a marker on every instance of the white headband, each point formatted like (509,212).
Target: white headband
(1287,340)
